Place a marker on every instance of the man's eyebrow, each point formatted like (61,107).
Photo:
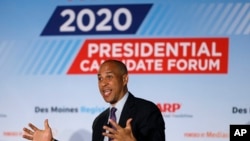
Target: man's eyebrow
(108,72)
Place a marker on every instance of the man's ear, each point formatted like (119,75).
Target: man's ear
(125,79)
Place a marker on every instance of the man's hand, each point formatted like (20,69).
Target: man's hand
(119,133)
(36,134)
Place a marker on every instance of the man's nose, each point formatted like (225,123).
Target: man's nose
(104,82)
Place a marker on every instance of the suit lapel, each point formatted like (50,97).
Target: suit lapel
(128,110)
(102,121)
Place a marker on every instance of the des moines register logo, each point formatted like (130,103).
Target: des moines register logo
(239,132)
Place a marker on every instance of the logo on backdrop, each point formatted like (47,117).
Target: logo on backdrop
(96,19)
(155,55)
(240,110)
(172,110)
(12,133)
(141,55)
(69,109)
(207,134)
(2,115)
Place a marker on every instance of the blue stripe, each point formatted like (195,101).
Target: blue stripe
(164,19)
(30,57)
(144,27)
(245,21)
(40,58)
(55,54)
(156,19)
(68,58)
(50,56)
(61,55)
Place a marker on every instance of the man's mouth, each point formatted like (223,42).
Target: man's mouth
(106,92)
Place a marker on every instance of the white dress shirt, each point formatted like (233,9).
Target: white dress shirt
(119,106)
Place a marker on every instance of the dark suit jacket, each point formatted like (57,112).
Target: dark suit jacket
(147,123)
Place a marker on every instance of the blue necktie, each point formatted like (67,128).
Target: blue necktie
(112,116)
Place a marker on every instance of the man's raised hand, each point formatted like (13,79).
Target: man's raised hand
(117,133)
(36,134)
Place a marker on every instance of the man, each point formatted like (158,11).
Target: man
(138,119)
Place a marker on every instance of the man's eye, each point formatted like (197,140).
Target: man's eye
(99,78)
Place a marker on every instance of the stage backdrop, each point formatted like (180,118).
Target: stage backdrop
(190,57)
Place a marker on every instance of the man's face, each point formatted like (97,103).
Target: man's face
(111,82)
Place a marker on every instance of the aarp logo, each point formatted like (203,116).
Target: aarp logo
(169,107)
